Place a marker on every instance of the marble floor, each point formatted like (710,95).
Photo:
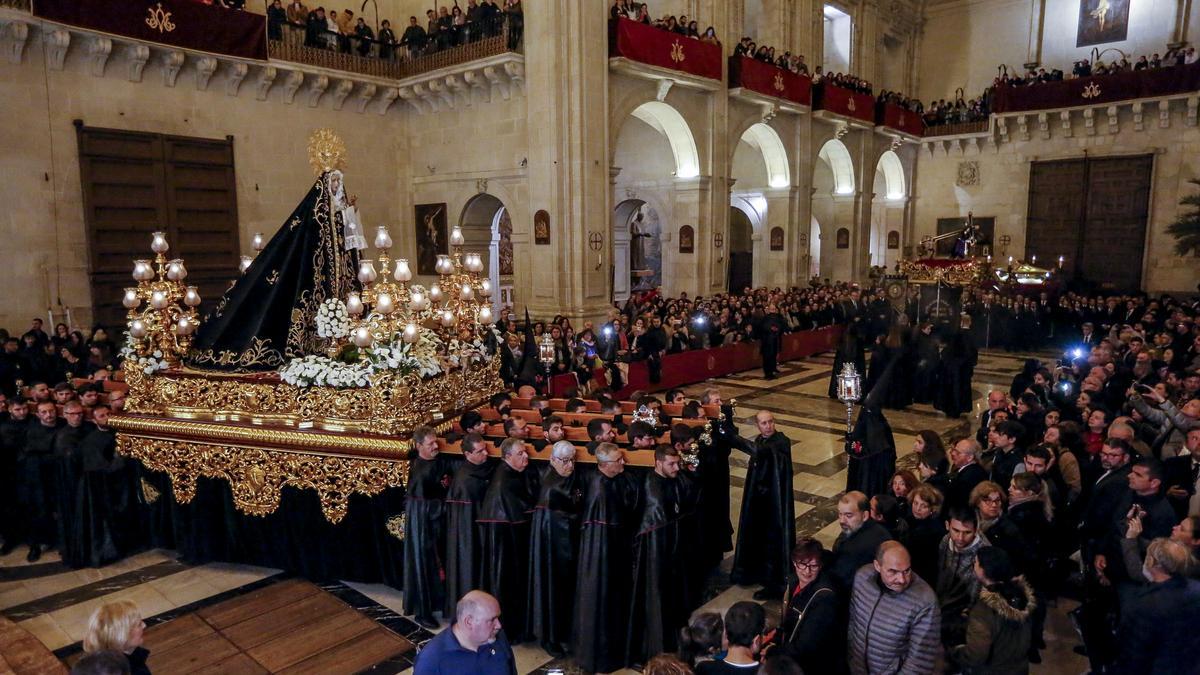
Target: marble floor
(53,602)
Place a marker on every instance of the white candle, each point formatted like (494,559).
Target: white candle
(191,297)
(158,242)
(354,305)
(435,293)
(158,300)
(403,272)
(131,299)
(384,304)
(411,333)
(383,240)
(363,337)
(456,236)
(258,242)
(416,301)
(137,328)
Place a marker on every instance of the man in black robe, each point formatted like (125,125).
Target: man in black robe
(602,604)
(429,476)
(708,527)
(105,526)
(12,445)
(770,335)
(504,522)
(767,526)
(66,476)
(36,480)
(871,445)
(553,544)
(467,487)
(659,606)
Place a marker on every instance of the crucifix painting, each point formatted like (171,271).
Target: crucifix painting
(1102,21)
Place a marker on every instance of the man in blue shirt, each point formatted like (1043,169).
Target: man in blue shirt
(472,644)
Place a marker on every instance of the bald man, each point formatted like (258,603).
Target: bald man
(474,643)
(894,617)
(767,526)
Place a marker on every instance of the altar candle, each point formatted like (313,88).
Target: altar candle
(362,337)
(416,301)
(158,300)
(131,298)
(384,304)
(382,238)
(435,293)
(485,314)
(354,305)
(137,328)
(403,271)
(456,236)
(411,333)
(191,297)
(257,242)
(485,288)
(158,243)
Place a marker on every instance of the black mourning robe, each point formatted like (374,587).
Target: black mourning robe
(505,518)
(767,525)
(105,527)
(957,365)
(463,560)
(693,530)
(658,607)
(425,534)
(553,546)
(871,446)
(269,315)
(602,598)
(36,482)
(12,445)
(850,350)
(67,471)
(770,335)
(712,483)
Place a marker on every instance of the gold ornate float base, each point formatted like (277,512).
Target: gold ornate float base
(334,466)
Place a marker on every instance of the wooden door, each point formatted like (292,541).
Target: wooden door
(137,183)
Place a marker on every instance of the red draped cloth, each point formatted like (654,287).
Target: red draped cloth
(1096,89)
(662,48)
(769,80)
(844,102)
(898,118)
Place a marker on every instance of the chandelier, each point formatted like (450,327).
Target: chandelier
(162,309)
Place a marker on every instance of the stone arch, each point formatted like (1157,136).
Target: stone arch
(892,170)
(740,246)
(667,121)
(481,220)
(765,139)
(835,155)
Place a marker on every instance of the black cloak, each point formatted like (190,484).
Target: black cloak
(871,446)
(602,602)
(553,545)
(463,561)
(269,314)
(504,523)
(850,350)
(106,519)
(425,533)
(957,366)
(767,525)
(67,472)
(37,480)
(712,482)
(659,606)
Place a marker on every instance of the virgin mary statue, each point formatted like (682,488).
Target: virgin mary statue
(268,316)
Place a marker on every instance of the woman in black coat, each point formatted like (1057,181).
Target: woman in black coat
(925,531)
(812,631)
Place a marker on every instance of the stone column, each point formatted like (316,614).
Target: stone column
(864,50)
(566,67)
(1037,21)
(773,268)
(692,204)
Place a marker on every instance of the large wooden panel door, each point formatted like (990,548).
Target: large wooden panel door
(1093,213)
(138,183)
(1114,230)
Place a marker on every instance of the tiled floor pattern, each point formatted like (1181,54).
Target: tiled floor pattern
(364,621)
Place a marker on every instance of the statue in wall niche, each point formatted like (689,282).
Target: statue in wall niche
(968,238)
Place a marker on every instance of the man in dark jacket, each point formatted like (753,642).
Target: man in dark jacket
(767,526)
(1158,621)
(967,472)
(860,538)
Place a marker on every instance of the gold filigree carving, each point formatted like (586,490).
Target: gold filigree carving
(159,19)
(326,151)
(961,274)
(257,476)
(779,86)
(258,354)
(396,526)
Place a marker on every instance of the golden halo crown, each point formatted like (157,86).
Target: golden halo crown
(326,151)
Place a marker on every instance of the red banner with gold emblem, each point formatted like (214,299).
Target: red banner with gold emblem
(1097,89)
(900,119)
(844,102)
(662,48)
(180,23)
(769,80)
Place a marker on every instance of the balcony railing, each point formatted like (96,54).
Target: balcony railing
(957,128)
(325,49)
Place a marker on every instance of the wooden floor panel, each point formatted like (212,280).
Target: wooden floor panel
(358,653)
(310,639)
(201,653)
(237,610)
(180,632)
(238,664)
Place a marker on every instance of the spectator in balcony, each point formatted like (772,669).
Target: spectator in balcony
(1190,56)
(387,40)
(314,28)
(276,17)
(1156,61)
(345,29)
(445,28)
(365,36)
(297,13)
(709,36)
(414,37)
(693,30)
(458,19)
(332,32)
(514,14)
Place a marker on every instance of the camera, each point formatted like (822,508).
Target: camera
(1064,387)
(699,320)
(608,331)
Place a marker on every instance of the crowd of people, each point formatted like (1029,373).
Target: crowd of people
(748,48)
(444,28)
(637,11)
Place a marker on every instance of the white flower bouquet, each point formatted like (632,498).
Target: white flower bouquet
(333,321)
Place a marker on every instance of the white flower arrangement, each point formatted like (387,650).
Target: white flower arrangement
(147,364)
(333,321)
(399,357)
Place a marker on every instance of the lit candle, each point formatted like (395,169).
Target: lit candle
(158,243)
(131,299)
(158,300)
(354,305)
(411,333)
(485,288)
(366,271)
(137,328)
(403,272)
(384,304)
(1033,260)
(416,301)
(176,271)
(435,293)
(485,314)
(447,317)
(142,271)
(443,265)
(184,326)
(245,264)
(1010,260)
(191,297)
(456,236)
(363,337)
(1060,260)
(383,240)
(466,292)
(258,242)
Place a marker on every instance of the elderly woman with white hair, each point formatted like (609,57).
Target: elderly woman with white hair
(554,541)
(118,627)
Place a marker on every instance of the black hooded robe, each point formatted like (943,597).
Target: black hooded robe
(425,534)
(67,472)
(269,315)
(957,365)
(871,445)
(36,481)
(767,525)
(602,601)
(659,606)
(106,525)
(849,350)
(505,519)
(553,546)
(463,560)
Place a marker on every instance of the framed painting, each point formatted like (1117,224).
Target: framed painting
(1102,21)
(776,238)
(843,238)
(431,236)
(687,239)
(541,228)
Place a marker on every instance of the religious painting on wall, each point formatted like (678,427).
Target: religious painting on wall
(1102,21)
(893,240)
(687,239)
(776,238)
(431,236)
(843,238)
(987,228)
(645,249)
(541,228)
(505,252)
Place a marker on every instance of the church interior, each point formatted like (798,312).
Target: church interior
(352,231)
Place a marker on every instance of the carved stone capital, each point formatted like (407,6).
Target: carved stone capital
(172,64)
(237,73)
(139,56)
(57,42)
(16,34)
(262,86)
(291,84)
(205,67)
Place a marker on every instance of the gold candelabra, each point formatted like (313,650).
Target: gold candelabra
(162,309)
